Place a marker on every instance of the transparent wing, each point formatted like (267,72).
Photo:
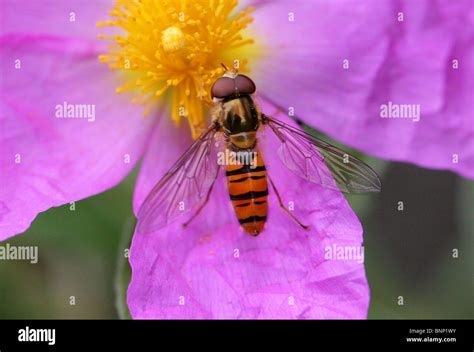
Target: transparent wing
(322,163)
(184,186)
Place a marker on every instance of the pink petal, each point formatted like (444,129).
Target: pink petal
(72,18)
(280,274)
(48,161)
(407,62)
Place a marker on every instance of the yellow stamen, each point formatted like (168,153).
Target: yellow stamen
(171,50)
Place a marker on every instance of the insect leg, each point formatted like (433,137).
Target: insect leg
(203,204)
(284,208)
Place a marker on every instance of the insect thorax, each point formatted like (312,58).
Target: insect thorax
(239,118)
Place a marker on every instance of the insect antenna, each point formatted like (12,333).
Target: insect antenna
(224,66)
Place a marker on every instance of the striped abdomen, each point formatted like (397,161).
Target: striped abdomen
(248,193)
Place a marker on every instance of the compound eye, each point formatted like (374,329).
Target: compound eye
(223,87)
(244,84)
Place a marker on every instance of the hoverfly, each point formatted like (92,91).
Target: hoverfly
(236,117)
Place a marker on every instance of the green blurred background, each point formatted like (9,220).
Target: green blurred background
(409,253)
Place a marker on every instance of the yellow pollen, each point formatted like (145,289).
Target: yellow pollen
(170,52)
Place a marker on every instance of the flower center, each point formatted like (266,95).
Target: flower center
(172,50)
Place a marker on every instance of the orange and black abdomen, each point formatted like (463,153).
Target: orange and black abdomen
(249,194)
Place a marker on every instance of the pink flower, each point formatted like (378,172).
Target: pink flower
(49,61)
(215,270)
(356,59)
